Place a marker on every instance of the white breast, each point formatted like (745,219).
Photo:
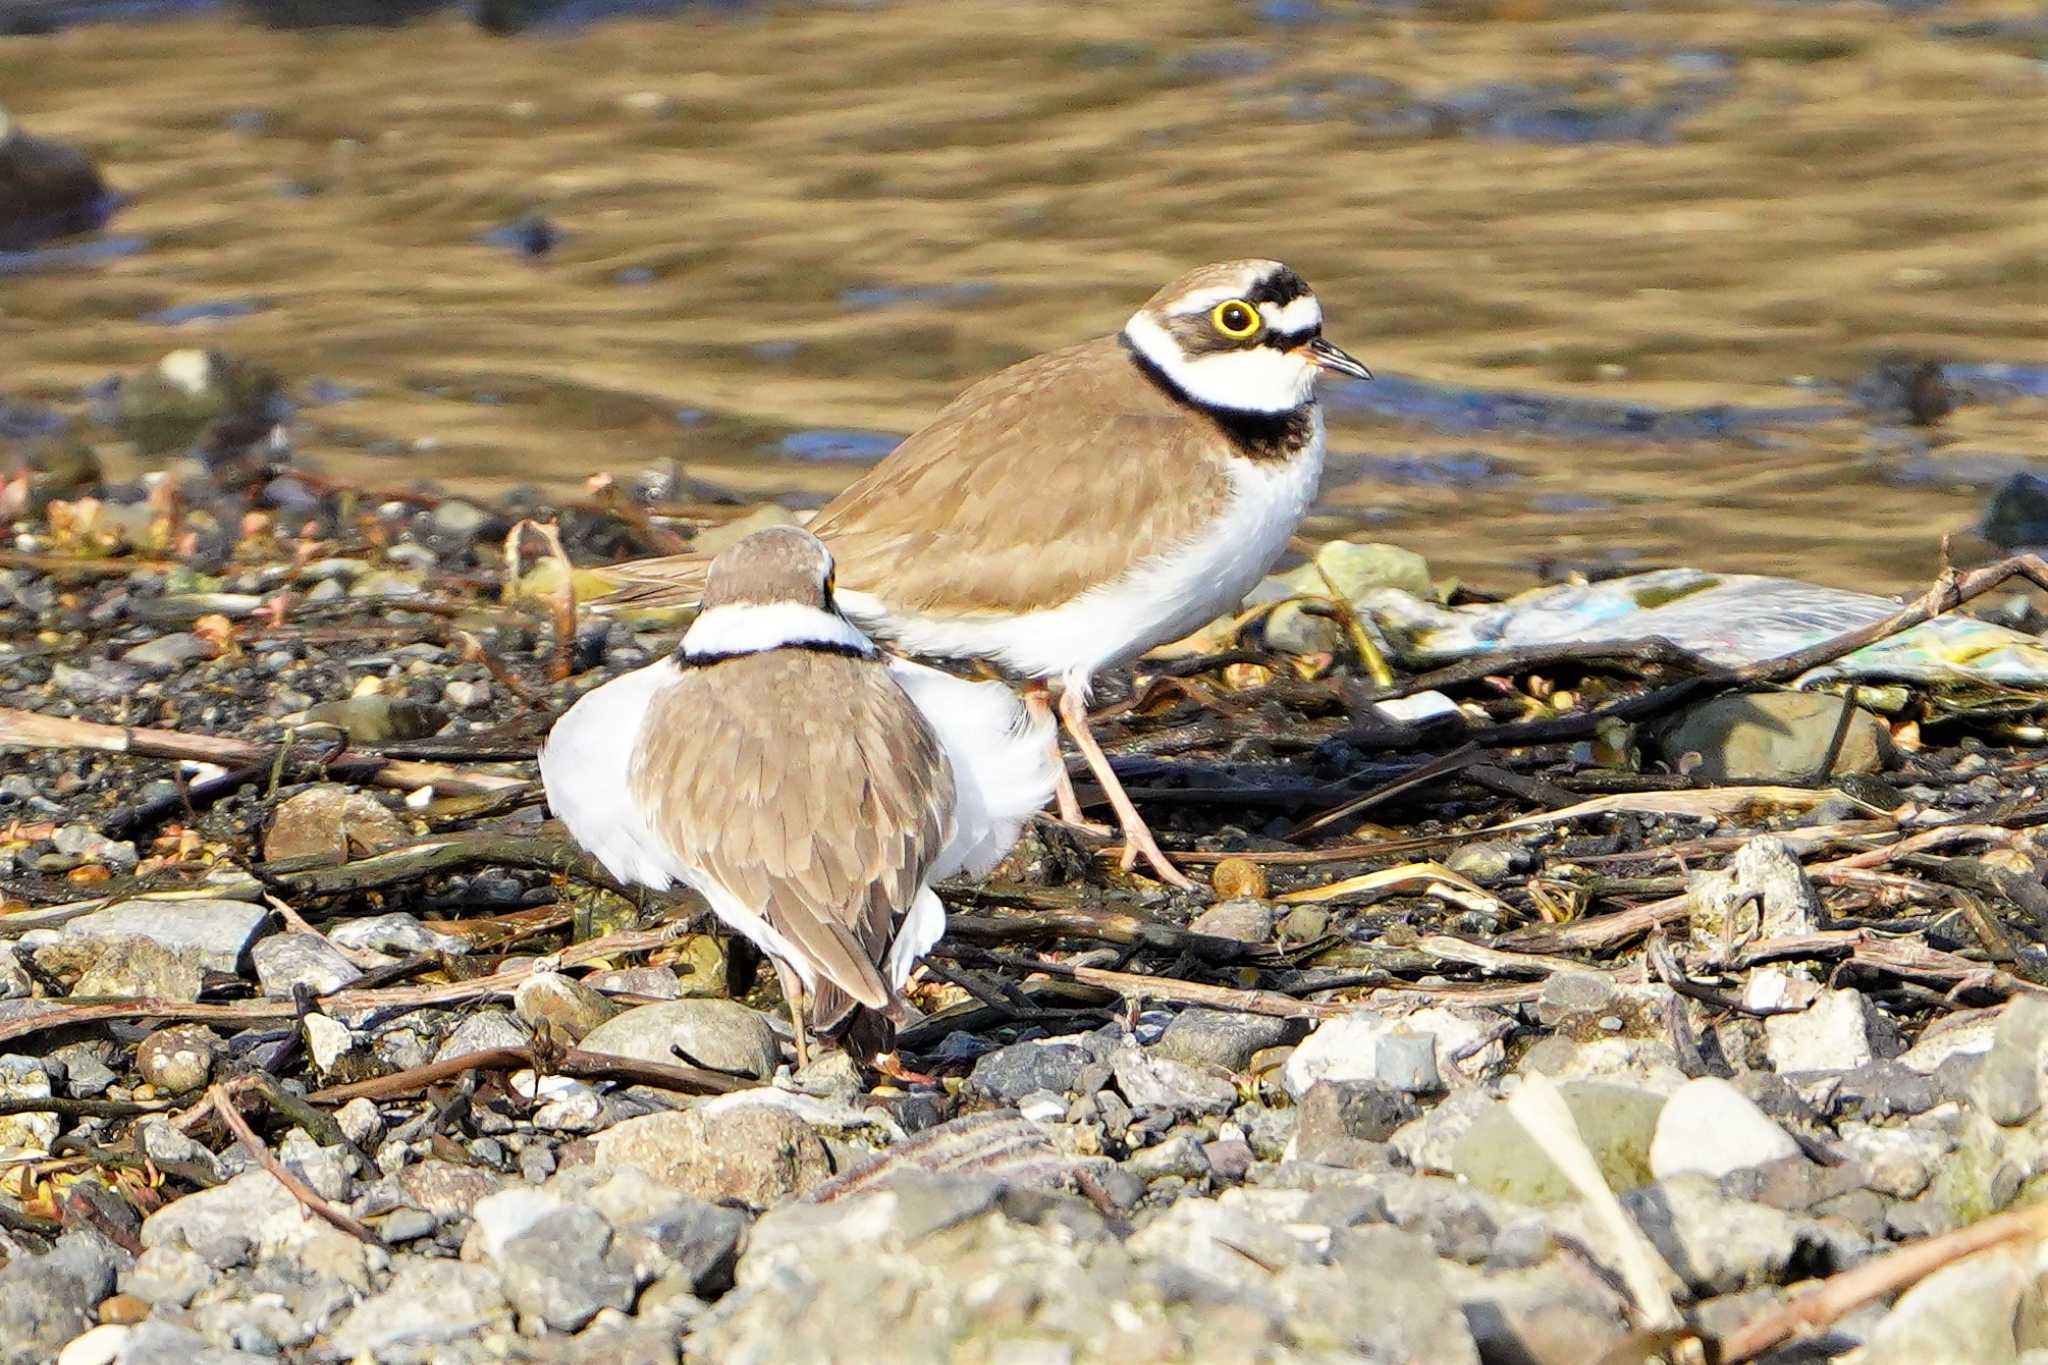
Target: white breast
(1159,600)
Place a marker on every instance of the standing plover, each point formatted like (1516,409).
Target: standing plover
(808,787)
(1081,507)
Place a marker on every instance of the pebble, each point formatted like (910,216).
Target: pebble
(721,1034)
(1965,1312)
(167,654)
(1347,1123)
(177,1059)
(375,718)
(1247,921)
(2007,1086)
(333,823)
(328,1040)
(755,1154)
(1404,1052)
(571,1008)
(1710,1127)
(32,1133)
(1152,1082)
(1767,737)
(1223,1038)
(1007,1074)
(397,933)
(1763,893)
(286,961)
(219,931)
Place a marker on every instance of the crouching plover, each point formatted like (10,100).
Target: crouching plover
(1081,507)
(806,786)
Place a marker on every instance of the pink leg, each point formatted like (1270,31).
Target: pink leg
(1138,841)
(1037,704)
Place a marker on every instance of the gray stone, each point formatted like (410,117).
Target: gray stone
(1008,1074)
(285,961)
(1159,1083)
(377,719)
(2007,1086)
(332,823)
(753,1153)
(87,844)
(1182,1157)
(721,1034)
(569,1007)
(142,969)
(656,983)
(47,1300)
(1967,1311)
(446,1190)
(559,1270)
(1710,1127)
(1719,1245)
(1896,1161)
(168,1275)
(484,1031)
(1223,1038)
(1489,860)
(1247,921)
(168,653)
(221,931)
(1330,1312)
(1347,1123)
(1763,893)
(1774,737)
(673,1233)
(178,1058)
(15,983)
(397,933)
(429,1306)
(1542,1315)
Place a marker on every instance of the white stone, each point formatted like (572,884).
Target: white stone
(99,1346)
(1367,1045)
(1711,1127)
(1831,1034)
(221,930)
(503,1216)
(328,1039)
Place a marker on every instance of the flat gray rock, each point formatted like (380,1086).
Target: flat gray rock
(221,931)
(723,1035)
(286,961)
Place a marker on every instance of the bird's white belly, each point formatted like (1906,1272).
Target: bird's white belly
(1159,600)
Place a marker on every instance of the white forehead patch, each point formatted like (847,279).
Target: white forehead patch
(1301,314)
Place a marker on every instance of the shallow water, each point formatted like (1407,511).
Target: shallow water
(1620,272)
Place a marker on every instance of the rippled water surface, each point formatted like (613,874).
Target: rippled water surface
(1620,270)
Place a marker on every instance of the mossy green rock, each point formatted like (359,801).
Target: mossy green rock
(1498,1156)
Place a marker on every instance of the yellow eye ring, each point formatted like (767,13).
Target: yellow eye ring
(1235,319)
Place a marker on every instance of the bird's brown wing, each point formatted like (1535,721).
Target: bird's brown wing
(1058,474)
(808,786)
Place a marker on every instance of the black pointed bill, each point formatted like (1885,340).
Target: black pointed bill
(1325,355)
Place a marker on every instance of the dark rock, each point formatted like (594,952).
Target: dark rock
(2018,515)
(1906,388)
(46,190)
(1010,1073)
(1339,1121)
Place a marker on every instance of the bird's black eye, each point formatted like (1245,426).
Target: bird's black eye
(1235,319)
